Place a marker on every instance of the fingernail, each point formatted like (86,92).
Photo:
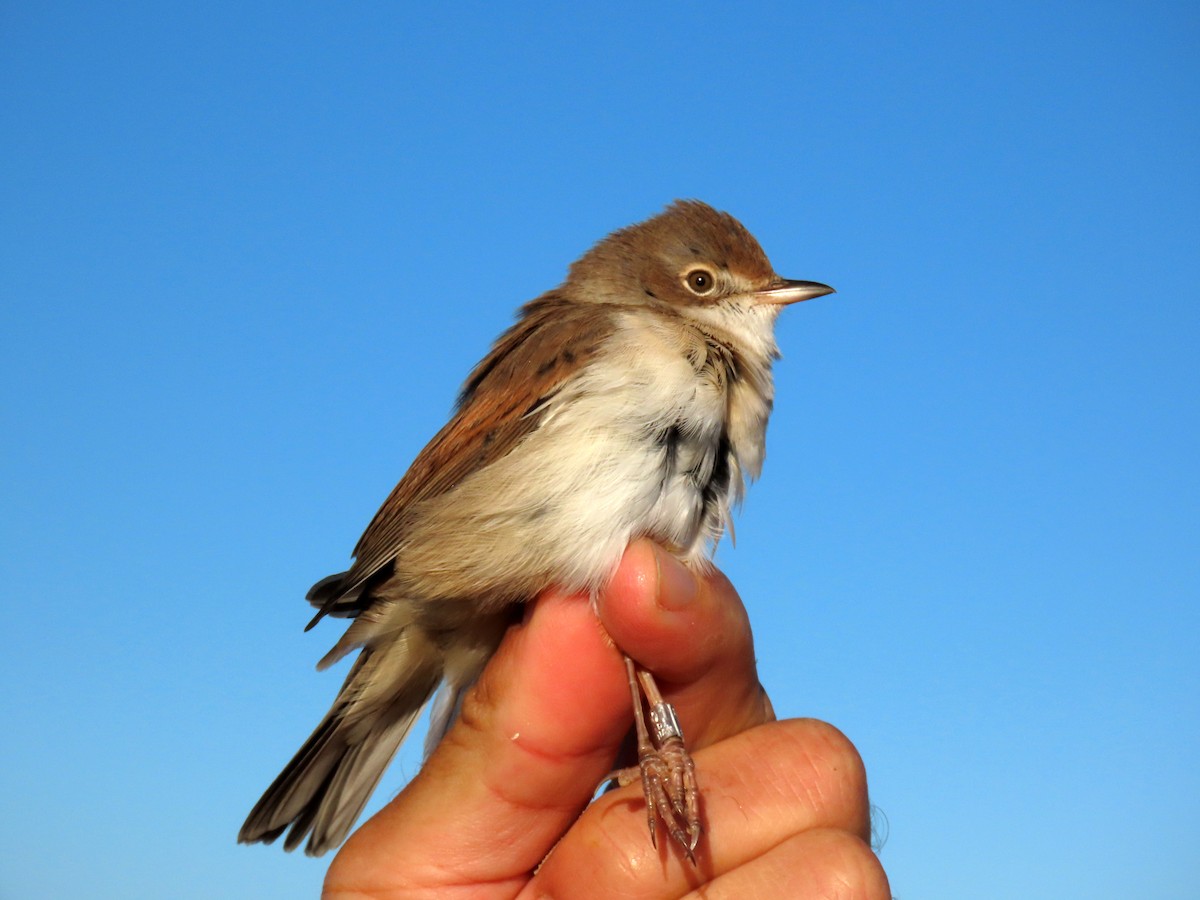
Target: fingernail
(677,585)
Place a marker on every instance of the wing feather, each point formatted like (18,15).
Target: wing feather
(499,405)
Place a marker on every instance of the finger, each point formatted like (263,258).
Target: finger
(761,788)
(693,633)
(813,864)
(535,736)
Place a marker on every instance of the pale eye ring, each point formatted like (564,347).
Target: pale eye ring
(700,281)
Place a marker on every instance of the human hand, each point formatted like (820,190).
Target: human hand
(496,810)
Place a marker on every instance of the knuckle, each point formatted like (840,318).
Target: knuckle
(845,868)
(827,773)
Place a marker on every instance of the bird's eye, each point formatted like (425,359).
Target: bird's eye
(700,281)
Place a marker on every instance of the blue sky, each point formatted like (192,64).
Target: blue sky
(248,253)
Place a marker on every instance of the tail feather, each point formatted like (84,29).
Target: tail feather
(447,705)
(406,650)
(353,783)
(323,790)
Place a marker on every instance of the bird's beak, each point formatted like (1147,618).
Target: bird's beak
(785,291)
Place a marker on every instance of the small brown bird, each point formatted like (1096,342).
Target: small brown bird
(630,401)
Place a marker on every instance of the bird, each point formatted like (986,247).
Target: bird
(630,401)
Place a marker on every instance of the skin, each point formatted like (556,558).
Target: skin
(500,809)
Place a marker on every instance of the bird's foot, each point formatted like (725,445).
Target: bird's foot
(665,767)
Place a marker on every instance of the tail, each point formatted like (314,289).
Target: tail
(323,790)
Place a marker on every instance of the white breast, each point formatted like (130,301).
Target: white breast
(636,440)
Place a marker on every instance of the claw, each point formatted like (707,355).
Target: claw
(667,772)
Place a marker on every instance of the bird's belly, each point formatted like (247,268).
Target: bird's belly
(664,474)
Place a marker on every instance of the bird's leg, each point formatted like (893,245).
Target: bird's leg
(667,772)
